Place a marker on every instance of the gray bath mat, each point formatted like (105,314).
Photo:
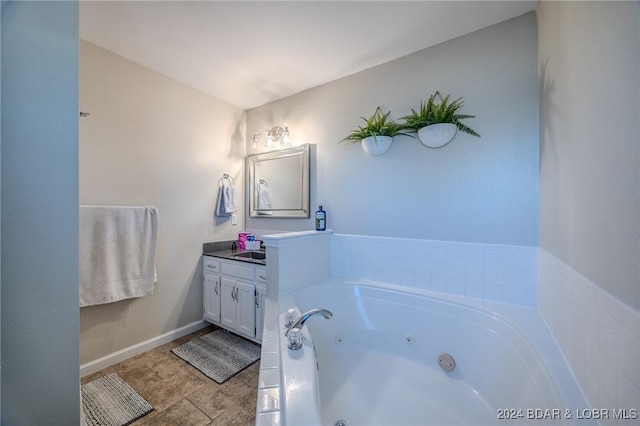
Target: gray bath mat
(110,401)
(219,355)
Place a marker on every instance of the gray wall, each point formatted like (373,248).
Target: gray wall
(151,140)
(590,133)
(0,214)
(40,377)
(477,190)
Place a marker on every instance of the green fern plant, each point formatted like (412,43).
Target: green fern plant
(378,124)
(438,110)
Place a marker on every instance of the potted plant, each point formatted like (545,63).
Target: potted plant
(377,133)
(438,120)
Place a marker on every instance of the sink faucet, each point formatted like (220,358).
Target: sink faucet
(295,342)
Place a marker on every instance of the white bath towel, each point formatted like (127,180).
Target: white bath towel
(117,253)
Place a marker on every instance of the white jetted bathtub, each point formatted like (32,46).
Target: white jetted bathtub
(381,359)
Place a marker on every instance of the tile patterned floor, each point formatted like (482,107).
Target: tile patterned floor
(182,395)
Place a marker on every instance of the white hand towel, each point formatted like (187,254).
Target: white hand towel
(229,195)
(263,203)
(264,200)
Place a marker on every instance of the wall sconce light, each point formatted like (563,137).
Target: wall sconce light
(275,134)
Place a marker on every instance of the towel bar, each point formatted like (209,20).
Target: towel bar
(228,177)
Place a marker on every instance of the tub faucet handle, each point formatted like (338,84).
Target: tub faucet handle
(289,318)
(295,339)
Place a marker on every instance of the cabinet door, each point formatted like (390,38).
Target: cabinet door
(212,297)
(261,276)
(261,293)
(246,308)
(228,303)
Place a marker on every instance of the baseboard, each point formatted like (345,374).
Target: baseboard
(116,357)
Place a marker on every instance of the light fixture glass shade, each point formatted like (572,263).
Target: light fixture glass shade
(269,141)
(286,138)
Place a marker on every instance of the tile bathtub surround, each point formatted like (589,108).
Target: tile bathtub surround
(269,383)
(296,259)
(495,272)
(599,336)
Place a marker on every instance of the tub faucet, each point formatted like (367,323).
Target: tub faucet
(295,340)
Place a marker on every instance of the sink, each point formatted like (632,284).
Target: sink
(256,255)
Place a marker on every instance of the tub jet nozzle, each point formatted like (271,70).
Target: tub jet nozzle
(446,362)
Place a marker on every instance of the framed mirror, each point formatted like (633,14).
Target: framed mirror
(278,183)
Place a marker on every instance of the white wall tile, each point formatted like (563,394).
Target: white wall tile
(493,292)
(606,371)
(474,274)
(473,289)
(493,259)
(597,334)
(516,296)
(439,284)
(474,257)
(627,394)
(408,279)
(628,355)
(455,286)
(494,276)
(444,266)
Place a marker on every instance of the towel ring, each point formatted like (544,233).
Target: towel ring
(263,182)
(226,176)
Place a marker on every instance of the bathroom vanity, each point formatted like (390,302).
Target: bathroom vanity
(234,291)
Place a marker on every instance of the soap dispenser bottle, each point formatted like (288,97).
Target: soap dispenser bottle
(321,220)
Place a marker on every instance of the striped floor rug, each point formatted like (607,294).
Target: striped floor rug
(219,355)
(110,401)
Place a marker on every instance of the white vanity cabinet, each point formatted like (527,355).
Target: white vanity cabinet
(238,310)
(211,269)
(232,295)
(261,294)
(212,292)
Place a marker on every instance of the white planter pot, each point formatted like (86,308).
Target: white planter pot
(437,135)
(376,145)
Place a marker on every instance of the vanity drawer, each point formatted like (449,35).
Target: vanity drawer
(211,265)
(261,275)
(238,270)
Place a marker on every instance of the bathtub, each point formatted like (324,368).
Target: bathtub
(379,361)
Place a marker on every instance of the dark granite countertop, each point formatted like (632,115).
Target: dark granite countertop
(222,250)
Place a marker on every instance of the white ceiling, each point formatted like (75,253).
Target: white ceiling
(251,53)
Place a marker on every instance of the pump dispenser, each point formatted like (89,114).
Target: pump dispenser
(321,220)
